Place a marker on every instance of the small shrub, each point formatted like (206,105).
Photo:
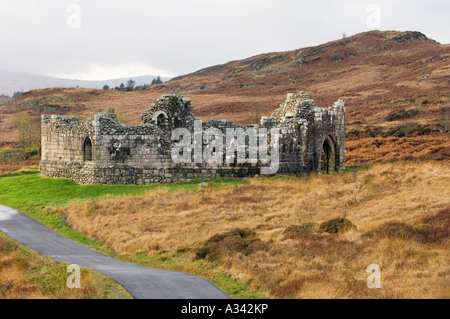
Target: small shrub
(202,253)
(290,288)
(296,231)
(441,223)
(337,225)
(19,154)
(373,131)
(238,240)
(434,229)
(401,115)
(404,129)
(441,218)
(393,230)
(407,129)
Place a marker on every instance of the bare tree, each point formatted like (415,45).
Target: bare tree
(28,130)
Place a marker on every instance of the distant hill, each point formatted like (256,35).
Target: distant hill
(11,82)
(386,78)
(376,73)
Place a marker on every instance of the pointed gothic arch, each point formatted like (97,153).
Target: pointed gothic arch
(328,156)
(87,150)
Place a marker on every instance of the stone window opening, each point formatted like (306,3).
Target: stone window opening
(328,157)
(161,120)
(87,150)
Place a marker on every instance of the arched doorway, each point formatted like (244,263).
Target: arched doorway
(87,150)
(328,156)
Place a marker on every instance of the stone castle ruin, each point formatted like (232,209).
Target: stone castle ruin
(101,150)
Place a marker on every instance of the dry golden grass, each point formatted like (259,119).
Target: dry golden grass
(11,167)
(24,274)
(312,265)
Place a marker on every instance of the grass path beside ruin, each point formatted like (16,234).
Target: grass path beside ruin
(33,195)
(38,197)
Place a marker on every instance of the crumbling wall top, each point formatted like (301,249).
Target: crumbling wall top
(300,106)
(60,120)
(294,106)
(170,111)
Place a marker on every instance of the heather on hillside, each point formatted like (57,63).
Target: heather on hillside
(381,77)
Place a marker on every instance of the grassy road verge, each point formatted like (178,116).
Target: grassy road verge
(24,274)
(40,198)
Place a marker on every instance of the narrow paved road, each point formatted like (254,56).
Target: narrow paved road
(139,281)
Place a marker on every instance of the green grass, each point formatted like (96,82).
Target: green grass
(349,169)
(39,198)
(32,193)
(28,190)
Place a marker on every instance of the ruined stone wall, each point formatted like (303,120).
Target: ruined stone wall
(305,127)
(142,154)
(62,140)
(125,153)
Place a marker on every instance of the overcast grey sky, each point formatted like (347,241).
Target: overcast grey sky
(99,39)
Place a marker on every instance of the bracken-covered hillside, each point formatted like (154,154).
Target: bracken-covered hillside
(394,84)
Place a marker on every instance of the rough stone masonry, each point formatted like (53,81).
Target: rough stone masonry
(101,150)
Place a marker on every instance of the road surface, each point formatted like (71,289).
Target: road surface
(140,281)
